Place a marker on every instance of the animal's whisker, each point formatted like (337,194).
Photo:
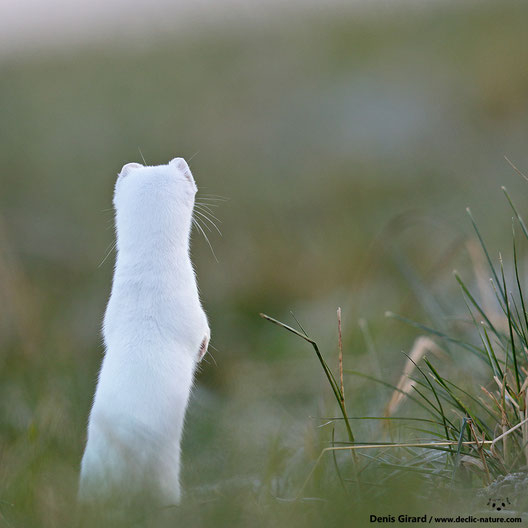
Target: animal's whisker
(210,214)
(208,201)
(205,210)
(206,205)
(214,197)
(205,226)
(195,222)
(195,154)
(212,357)
(109,251)
(142,157)
(211,194)
(205,217)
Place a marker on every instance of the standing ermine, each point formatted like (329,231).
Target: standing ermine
(155,331)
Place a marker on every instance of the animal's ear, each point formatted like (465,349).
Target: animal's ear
(182,166)
(129,167)
(203,348)
(180,163)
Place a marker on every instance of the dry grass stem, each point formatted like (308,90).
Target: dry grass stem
(340,344)
(516,169)
(514,428)
(354,448)
(488,300)
(480,450)
(405,384)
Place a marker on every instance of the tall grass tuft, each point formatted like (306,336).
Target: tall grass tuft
(462,432)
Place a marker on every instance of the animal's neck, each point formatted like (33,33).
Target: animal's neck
(156,258)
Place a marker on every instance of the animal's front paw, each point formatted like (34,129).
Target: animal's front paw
(203,348)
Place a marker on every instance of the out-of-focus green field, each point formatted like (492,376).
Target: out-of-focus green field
(347,148)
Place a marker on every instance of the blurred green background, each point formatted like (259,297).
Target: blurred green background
(347,146)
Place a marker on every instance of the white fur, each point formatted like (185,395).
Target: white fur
(154,332)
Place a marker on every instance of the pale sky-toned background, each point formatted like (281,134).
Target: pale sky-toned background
(31,26)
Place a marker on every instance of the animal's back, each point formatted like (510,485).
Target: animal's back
(155,331)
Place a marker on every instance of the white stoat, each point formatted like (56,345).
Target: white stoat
(155,331)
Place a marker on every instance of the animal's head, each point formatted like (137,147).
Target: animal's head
(154,205)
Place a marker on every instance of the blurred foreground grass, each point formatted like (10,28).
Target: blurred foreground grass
(348,149)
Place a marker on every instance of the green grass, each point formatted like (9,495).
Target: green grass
(460,436)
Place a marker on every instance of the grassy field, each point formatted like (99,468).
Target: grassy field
(347,149)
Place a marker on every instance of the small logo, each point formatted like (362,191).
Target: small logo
(499,503)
